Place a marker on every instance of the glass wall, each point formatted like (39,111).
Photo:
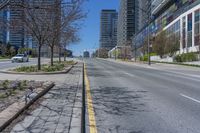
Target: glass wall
(189,30)
(173,32)
(197,28)
(184,32)
(170,14)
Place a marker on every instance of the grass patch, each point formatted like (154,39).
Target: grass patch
(2,96)
(2,57)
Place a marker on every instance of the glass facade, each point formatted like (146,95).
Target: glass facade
(189,30)
(184,32)
(182,28)
(174,30)
(197,28)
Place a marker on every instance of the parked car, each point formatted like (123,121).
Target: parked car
(20,58)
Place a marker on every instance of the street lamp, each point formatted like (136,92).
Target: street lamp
(150,18)
(115,52)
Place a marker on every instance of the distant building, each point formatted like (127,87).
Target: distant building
(108,27)
(12,27)
(128,21)
(86,54)
(69,53)
(3,24)
(16,31)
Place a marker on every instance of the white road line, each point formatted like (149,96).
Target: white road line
(129,74)
(193,99)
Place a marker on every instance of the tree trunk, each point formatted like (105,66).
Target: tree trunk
(64,57)
(39,57)
(59,54)
(51,56)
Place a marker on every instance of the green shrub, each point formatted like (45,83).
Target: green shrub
(3,96)
(4,57)
(56,67)
(26,69)
(70,62)
(64,62)
(145,57)
(178,58)
(186,57)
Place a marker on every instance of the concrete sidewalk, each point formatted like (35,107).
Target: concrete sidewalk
(176,69)
(192,63)
(60,111)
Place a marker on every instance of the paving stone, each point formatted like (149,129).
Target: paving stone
(54,113)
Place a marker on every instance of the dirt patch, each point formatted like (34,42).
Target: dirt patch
(12,91)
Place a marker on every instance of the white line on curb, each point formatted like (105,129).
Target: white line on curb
(193,99)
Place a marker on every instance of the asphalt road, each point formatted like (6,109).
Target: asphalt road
(140,99)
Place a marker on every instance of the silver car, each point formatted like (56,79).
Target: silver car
(20,58)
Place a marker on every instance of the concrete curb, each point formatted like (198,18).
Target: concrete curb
(77,114)
(39,73)
(20,111)
(83,119)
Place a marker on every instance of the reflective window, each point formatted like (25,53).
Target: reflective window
(184,32)
(197,28)
(189,34)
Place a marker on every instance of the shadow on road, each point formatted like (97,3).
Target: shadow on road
(118,101)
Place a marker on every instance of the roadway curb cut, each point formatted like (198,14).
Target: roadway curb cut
(40,73)
(7,123)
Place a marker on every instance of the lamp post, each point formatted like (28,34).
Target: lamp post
(150,18)
(115,52)
(149,22)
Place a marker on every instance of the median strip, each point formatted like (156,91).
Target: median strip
(91,114)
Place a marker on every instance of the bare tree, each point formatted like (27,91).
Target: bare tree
(160,43)
(67,23)
(144,47)
(37,18)
(103,53)
(48,22)
(172,45)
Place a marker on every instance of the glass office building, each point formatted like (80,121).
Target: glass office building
(3,24)
(108,29)
(179,18)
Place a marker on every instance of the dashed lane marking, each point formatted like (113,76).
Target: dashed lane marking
(193,99)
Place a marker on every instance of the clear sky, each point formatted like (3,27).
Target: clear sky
(91,27)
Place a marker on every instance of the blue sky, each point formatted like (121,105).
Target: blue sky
(91,27)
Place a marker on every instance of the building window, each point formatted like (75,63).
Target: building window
(197,28)
(184,32)
(189,31)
